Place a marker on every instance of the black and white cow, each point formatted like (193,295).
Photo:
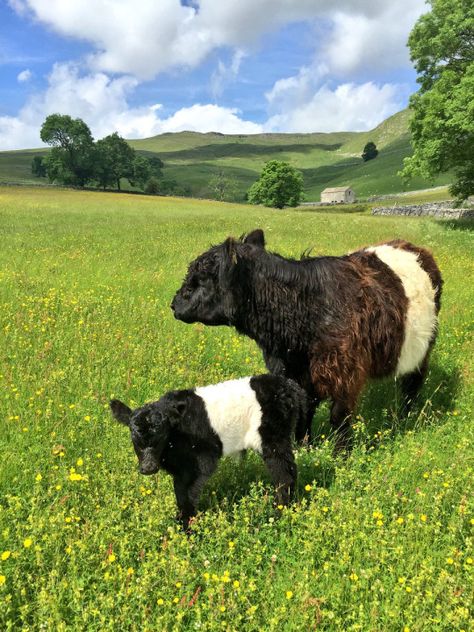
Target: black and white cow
(329,323)
(187,431)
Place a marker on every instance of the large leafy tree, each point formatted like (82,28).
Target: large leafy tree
(114,160)
(71,160)
(442,126)
(142,170)
(279,185)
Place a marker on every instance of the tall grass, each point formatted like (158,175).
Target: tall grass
(381,541)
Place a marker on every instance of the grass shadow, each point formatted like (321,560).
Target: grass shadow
(381,404)
(237,478)
(379,409)
(242,150)
(462,224)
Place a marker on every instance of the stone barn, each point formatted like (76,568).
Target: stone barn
(338,195)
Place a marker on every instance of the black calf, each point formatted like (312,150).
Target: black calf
(186,432)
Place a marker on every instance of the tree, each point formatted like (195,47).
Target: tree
(370,151)
(114,160)
(279,185)
(222,188)
(442,126)
(152,187)
(156,165)
(71,161)
(38,167)
(142,171)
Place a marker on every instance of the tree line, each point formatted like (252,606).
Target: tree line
(77,160)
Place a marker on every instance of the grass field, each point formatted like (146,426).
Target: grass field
(192,159)
(380,542)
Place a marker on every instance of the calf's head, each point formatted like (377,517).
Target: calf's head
(149,428)
(207,294)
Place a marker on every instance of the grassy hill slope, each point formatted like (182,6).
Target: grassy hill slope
(333,159)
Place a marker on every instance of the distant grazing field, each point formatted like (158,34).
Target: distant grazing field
(382,541)
(192,159)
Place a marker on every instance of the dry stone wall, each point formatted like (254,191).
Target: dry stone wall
(443,210)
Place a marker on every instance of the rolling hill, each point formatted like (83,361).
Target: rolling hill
(325,159)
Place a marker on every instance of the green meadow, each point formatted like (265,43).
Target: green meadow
(382,541)
(325,159)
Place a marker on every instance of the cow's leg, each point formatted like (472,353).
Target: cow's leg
(301,376)
(303,431)
(341,418)
(411,384)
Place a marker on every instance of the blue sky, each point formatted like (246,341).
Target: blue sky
(208,65)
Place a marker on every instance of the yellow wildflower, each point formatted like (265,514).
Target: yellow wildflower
(6,555)
(27,542)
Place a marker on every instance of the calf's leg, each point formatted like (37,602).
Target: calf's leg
(188,487)
(282,467)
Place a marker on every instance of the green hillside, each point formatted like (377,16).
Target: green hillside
(333,159)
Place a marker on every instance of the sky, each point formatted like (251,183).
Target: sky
(145,67)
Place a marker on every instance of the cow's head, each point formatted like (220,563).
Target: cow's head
(208,293)
(150,428)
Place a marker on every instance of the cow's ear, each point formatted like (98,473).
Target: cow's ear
(255,238)
(230,248)
(121,412)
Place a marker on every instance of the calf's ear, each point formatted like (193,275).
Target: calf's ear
(176,412)
(255,238)
(120,411)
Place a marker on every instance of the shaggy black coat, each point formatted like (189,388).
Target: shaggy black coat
(329,323)
(178,434)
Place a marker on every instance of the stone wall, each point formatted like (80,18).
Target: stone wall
(444,210)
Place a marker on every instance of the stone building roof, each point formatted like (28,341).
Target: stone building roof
(336,190)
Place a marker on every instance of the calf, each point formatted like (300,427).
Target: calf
(329,323)
(187,431)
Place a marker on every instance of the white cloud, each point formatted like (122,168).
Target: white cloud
(347,107)
(24,75)
(375,41)
(225,74)
(209,118)
(149,38)
(102,103)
